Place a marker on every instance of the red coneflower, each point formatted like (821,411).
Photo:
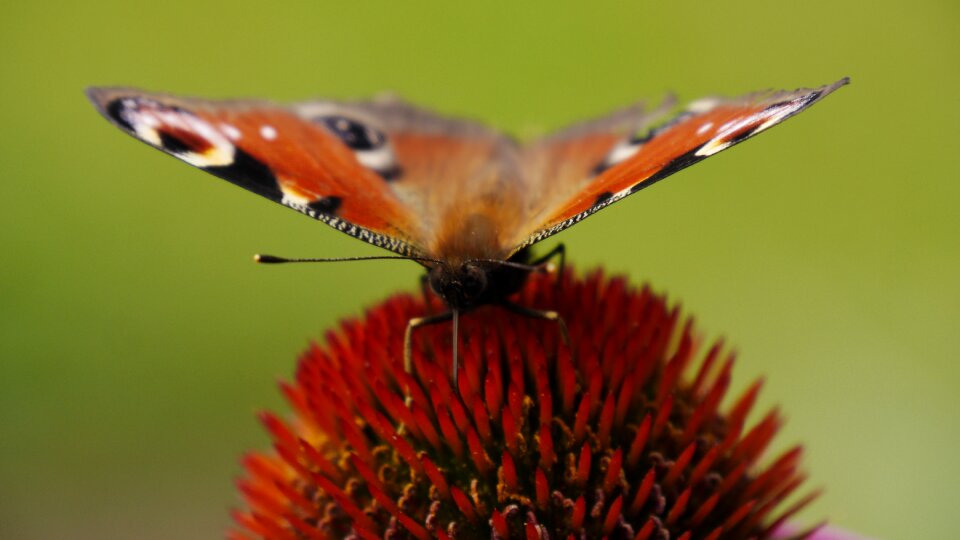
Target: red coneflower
(621,437)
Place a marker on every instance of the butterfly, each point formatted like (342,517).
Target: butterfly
(462,199)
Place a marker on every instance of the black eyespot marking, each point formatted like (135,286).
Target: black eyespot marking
(249,173)
(354,134)
(172,144)
(391,174)
(743,135)
(179,141)
(602,198)
(115,112)
(326,205)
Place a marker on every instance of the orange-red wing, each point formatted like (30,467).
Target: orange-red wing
(334,169)
(461,178)
(567,162)
(421,184)
(705,128)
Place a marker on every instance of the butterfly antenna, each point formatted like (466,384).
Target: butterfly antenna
(273,259)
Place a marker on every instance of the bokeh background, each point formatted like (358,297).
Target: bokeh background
(138,340)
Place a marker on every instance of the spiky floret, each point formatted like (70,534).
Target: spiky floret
(614,437)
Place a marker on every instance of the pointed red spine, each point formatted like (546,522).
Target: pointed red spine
(450,434)
(663,415)
(678,507)
(415,528)
(583,415)
(583,467)
(613,471)
(500,524)
(533,532)
(606,421)
(704,510)
(639,440)
(478,454)
(613,514)
(481,420)
(547,455)
(509,472)
(435,476)
(646,485)
(510,432)
(542,489)
(579,510)
(645,531)
(704,466)
(463,503)
(680,464)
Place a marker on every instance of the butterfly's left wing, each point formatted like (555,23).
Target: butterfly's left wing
(332,168)
(604,166)
(384,171)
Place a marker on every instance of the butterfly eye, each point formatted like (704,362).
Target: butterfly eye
(354,134)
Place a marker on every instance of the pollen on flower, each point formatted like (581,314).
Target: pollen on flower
(616,436)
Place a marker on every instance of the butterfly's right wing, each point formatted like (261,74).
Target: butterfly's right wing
(632,163)
(565,162)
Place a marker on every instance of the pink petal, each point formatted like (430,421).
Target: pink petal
(823,533)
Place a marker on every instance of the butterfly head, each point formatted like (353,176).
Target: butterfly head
(474,282)
(461,286)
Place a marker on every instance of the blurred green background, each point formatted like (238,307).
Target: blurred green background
(138,339)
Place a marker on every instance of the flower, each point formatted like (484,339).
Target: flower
(619,435)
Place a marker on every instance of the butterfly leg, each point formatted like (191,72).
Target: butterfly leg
(560,250)
(425,292)
(415,323)
(547,315)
